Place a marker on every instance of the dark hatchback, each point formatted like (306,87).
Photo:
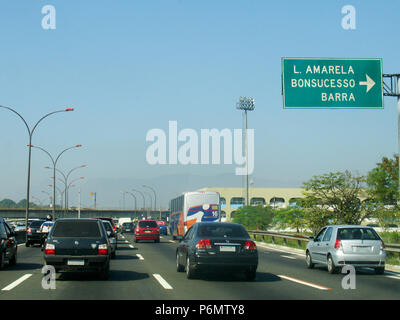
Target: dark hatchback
(8,245)
(33,234)
(78,245)
(212,246)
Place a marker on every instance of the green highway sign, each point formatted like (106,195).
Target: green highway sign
(332,83)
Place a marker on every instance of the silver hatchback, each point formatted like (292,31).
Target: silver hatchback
(339,245)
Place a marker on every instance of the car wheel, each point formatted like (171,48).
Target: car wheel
(157,240)
(2,259)
(380,270)
(113,255)
(309,262)
(105,272)
(27,244)
(179,267)
(331,266)
(136,240)
(251,274)
(190,272)
(13,260)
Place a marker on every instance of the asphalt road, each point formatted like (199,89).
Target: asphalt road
(147,270)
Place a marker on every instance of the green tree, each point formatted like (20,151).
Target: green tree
(383,183)
(336,195)
(254,217)
(7,203)
(290,218)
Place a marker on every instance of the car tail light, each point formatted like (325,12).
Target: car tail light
(250,245)
(382,245)
(338,244)
(50,249)
(29,230)
(204,244)
(102,249)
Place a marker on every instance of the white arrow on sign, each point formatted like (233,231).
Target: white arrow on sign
(369,83)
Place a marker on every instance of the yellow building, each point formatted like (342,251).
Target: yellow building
(234,198)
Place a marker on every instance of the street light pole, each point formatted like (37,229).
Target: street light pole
(54,169)
(144,200)
(155,198)
(30,133)
(246,104)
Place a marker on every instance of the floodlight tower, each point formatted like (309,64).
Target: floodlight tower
(246,104)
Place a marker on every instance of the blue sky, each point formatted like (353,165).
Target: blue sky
(130,66)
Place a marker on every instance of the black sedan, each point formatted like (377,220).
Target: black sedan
(8,245)
(33,234)
(78,245)
(217,245)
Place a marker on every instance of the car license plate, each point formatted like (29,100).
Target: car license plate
(361,249)
(76,262)
(227,249)
(147,231)
(128,229)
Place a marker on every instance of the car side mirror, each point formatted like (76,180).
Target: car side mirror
(311,238)
(13,234)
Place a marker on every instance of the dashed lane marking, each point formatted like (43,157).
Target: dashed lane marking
(313,285)
(162,281)
(17,282)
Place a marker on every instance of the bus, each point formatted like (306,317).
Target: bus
(192,207)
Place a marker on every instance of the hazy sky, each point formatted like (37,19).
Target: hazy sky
(131,66)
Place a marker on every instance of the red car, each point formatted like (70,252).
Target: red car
(147,230)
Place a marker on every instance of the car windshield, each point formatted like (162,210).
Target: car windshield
(357,234)
(78,229)
(218,230)
(147,224)
(127,224)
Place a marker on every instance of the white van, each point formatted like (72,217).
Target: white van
(122,220)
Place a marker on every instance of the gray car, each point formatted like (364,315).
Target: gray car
(339,245)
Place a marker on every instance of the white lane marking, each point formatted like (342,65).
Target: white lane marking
(21,244)
(140,256)
(171,241)
(16,282)
(164,283)
(288,257)
(126,241)
(269,248)
(316,286)
(131,246)
(393,277)
(392,273)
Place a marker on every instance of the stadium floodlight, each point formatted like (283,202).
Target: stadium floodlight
(246,104)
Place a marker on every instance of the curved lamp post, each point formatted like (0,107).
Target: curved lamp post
(155,197)
(66,177)
(144,199)
(54,169)
(30,133)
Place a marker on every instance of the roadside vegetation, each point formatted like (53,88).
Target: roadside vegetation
(335,198)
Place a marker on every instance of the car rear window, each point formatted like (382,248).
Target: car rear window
(36,224)
(222,231)
(108,226)
(147,224)
(357,234)
(78,229)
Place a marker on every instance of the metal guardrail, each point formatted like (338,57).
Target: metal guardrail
(390,247)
